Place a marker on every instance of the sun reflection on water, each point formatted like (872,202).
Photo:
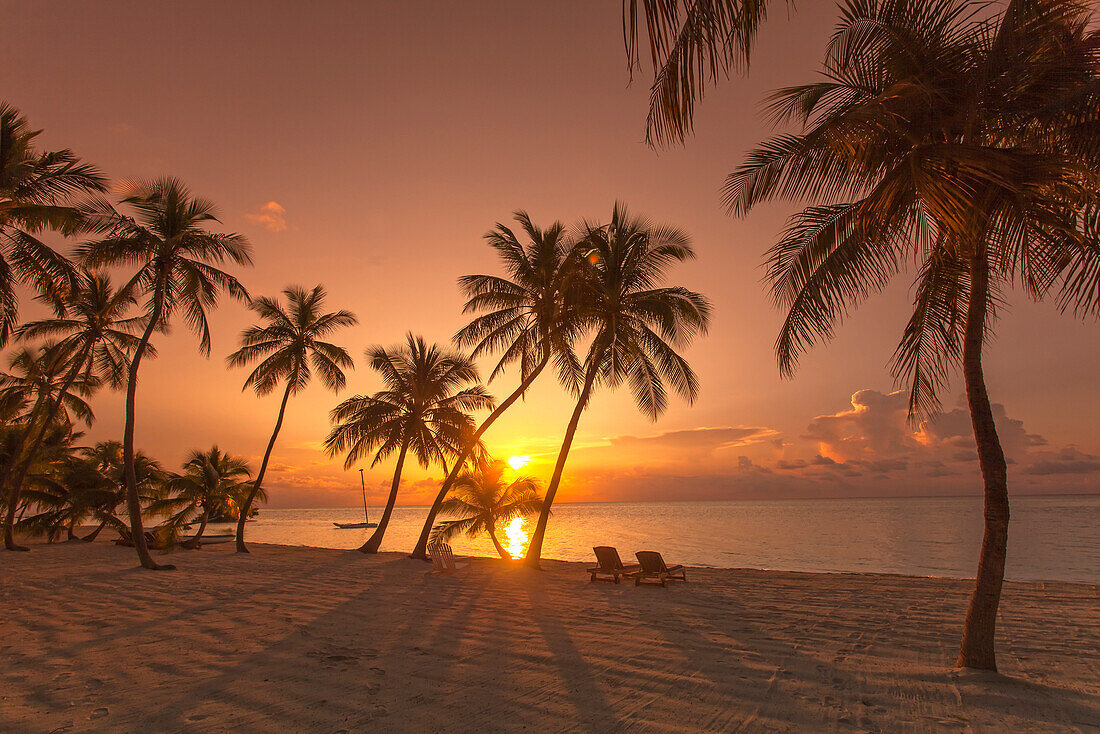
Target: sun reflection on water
(515,537)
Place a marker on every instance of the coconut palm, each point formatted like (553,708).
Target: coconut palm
(483,500)
(692,44)
(95,335)
(964,143)
(290,345)
(102,471)
(527,316)
(177,259)
(212,483)
(42,378)
(636,326)
(36,190)
(425,408)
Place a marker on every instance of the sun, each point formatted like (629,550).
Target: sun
(518,462)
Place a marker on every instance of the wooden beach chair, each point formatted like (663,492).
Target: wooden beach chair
(655,570)
(443,559)
(610,565)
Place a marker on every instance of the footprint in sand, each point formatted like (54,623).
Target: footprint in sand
(378,671)
(63,728)
(99,713)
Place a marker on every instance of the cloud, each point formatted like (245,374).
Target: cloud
(1067,461)
(271,215)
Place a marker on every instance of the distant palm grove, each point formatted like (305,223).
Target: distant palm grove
(954,141)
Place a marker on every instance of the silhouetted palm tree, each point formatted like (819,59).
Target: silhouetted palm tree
(429,393)
(96,338)
(36,190)
(212,483)
(291,347)
(636,325)
(105,473)
(959,141)
(483,501)
(176,258)
(42,378)
(527,316)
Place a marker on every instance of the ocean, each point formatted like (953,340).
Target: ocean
(1051,538)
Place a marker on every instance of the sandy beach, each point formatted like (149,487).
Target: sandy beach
(296,639)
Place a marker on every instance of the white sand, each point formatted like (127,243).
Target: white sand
(292,639)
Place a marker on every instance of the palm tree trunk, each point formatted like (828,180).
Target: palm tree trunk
(92,535)
(371,546)
(133,502)
(978,649)
(247,507)
(193,542)
(29,455)
(422,544)
(534,550)
(496,544)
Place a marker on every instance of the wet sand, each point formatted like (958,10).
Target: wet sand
(296,639)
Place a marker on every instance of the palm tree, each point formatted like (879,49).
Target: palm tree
(42,378)
(636,326)
(291,347)
(96,337)
(102,470)
(692,44)
(212,483)
(177,259)
(528,316)
(424,408)
(35,194)
(963,142)
(483,501)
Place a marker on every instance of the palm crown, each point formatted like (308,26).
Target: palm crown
(35,192)
(425,406)
(175,255)
(936,136)
(636,325)
(289,343)
(37,376)
(93,330)
(529,314)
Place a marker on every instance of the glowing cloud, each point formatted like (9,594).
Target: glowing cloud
(271,215)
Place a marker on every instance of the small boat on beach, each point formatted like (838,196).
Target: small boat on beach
(366,517)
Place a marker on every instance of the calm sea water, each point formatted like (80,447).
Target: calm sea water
(1050,538)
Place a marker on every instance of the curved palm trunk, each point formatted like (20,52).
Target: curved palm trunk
(92,535)
(247,507)
(371,546)
(977,649)
(193,542)
(422,544)
(534,550)
(133,502)
(28,459)
(496,544)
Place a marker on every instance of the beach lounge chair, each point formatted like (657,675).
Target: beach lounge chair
(126,538)
(655,570)
(443,559)
(610,565)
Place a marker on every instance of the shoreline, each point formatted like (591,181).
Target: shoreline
(290,638)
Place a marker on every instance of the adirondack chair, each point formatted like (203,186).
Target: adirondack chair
(443,559)
(609,564)
(655,570)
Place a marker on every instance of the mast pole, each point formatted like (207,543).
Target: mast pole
(363,484)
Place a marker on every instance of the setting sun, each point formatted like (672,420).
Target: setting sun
(518,462)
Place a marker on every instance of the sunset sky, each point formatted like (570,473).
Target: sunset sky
(368,148)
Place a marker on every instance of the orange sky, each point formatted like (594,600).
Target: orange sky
(369,148)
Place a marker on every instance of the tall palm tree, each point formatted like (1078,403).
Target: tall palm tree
(484,500)
(97,338)
(425,408)
(212,483)
(528,316)
(963,142)
(290,345)
(42,378)
(636,326)
(36,190)
(692,45)
(177,259)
